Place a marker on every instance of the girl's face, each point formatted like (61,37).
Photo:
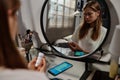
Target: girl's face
(12,19)
(90,16)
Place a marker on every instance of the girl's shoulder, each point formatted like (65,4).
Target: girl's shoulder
(103,29)
(22,74)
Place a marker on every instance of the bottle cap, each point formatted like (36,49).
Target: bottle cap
(40,54)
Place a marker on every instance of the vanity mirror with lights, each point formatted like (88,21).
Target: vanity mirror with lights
(63,18)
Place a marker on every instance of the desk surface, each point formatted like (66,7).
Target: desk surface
(73,73)
(76,71)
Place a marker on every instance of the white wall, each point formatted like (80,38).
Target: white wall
(116,5)
(29,17)
(115,19)
(26,21)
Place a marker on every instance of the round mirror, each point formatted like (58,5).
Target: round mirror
(75,28)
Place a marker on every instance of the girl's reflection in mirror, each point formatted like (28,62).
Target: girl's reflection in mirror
(90,34)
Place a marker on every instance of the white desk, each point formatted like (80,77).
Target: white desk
(74,73)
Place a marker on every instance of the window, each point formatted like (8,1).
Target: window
(60,13)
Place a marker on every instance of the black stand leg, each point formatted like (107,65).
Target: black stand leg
(86,72)
(27,56)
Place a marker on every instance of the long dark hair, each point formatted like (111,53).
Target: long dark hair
(9,55)
(94,5)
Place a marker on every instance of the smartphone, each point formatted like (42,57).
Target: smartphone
(60,68)
(64,45)
(79,53)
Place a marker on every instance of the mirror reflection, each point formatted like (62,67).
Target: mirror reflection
(75,27)
(60,20)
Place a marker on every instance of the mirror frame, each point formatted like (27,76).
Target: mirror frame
(56,52)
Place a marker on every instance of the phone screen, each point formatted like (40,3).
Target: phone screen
(78,53)
(64,45)
(60,68)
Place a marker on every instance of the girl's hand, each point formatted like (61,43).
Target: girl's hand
(74,46)
(41,67)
